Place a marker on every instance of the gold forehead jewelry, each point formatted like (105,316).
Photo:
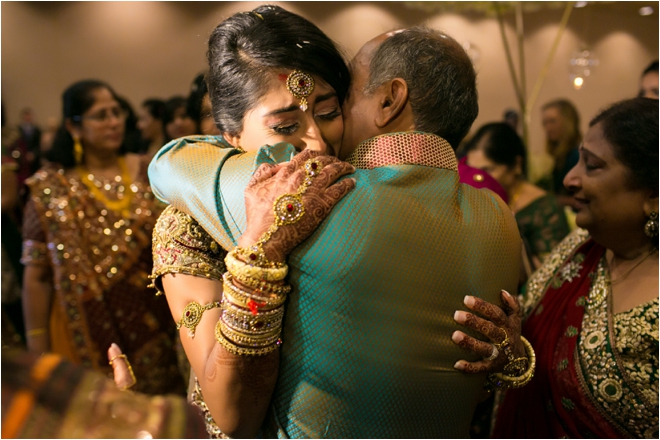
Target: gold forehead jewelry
(300,85)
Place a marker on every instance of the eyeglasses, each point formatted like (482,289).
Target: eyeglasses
(104,115)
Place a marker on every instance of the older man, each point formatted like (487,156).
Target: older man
(367,349)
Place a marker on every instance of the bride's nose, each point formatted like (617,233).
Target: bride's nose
(314,140)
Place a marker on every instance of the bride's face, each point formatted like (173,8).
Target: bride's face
(277,117)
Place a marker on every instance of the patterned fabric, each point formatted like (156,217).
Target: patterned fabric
(405,148)
(47,397)
(100,261)
(597,373)
(214,174)
(367,349)
(180,245)
(542,225)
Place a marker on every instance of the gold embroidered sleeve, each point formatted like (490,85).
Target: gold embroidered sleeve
(181,245)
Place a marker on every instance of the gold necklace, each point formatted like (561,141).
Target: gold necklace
(625,275)
(121,205)
(515,195)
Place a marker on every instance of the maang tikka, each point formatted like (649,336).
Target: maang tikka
(300,85)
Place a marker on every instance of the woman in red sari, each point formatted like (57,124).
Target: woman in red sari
(592,310)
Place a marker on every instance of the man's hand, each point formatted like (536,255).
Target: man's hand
(271,181)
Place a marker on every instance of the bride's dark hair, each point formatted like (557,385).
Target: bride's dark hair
(248,45)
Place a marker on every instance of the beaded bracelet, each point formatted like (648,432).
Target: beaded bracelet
(499,380)
(238,267)
(244,299)
(247,314)
(248,340)
(243,351)
(247,322)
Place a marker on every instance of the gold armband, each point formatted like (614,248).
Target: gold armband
(192,315)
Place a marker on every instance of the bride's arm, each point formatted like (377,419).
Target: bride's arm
(237,388)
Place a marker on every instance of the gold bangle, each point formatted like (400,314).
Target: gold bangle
(263,286)
(36,332)
(192,315)
(499,380)
(130,370)
(243,297)
(246,322)
(243,351)
(236,266)
(249,340)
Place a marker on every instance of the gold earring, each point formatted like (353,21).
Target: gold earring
(77,150)
(300,85)
(651,226)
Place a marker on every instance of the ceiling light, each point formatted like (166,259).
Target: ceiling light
(580,4)
(646,10)
(577,83)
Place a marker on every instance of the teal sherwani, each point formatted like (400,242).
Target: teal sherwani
(367,334)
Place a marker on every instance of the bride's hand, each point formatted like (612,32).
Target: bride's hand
(271,181)
(122,375)
(496,324)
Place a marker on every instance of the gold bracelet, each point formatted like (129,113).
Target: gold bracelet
(238,267)
(499,380)
(243,351)
(244,321)
(263,286)
(242,297)
(36,332)
(287,210)
(255,256)
(249,340)
(192,315)
(515,366)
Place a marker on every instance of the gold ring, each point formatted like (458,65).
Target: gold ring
(130,370)
(493,355)
(123,356)
(313,167)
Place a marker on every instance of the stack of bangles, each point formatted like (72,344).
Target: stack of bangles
(251,321)
(518,372)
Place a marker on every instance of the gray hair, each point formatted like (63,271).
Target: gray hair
(440,76)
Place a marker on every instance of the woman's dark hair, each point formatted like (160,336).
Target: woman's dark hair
(171,106)
(631,127)
(198,90)
(653,67)
(76,100)
(244,47)
(503,147)
(155,107)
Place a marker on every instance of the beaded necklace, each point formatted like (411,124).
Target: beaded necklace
(120,205)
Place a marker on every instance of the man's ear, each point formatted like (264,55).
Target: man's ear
(233,140)
(393,101)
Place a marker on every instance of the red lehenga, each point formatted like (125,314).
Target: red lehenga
(597,372)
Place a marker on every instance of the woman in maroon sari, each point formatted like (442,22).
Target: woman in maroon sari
(592,310)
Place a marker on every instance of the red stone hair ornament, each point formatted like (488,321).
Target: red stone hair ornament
(300,85)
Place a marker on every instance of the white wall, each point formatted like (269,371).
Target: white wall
(146,49)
